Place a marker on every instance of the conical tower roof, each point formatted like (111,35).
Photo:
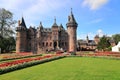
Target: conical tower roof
(22,24)
(61,27)
(71,19)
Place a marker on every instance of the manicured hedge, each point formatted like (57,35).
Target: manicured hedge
(24,65)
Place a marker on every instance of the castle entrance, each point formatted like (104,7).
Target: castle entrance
(55,45)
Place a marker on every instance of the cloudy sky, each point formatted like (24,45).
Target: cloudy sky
(93,16)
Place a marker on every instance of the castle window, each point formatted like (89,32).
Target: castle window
(62,44)
(43,44)
(50,43)
(29,44)
(47,44)
(39,44)
(65,43)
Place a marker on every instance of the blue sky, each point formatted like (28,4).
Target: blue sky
(93,16)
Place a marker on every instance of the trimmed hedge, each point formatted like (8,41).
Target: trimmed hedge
(24,65)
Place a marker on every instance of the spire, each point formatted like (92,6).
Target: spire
(71,19)
(71,12)
(61,27)
(87,37)
(23,23)
(55,24)
(41,25)
(55,20)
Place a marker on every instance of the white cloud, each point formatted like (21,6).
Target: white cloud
(34,10)
(95,21)
(91,35)
(100,32)
(94,4)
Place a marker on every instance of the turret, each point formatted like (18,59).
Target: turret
(39,30)
(96,39)
(55,34)
(71,28)
(21,36)
(87,39)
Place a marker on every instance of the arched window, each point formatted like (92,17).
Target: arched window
(50,43)
(46,43)
(39,44)
(65,44)
(62,43)
(43,44)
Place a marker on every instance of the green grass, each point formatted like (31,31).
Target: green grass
(70,68)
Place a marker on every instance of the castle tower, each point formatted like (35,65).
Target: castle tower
(21,36)
(39,38)
(55,35)
(71,28)
(96,39)
(112,42)
(87,39)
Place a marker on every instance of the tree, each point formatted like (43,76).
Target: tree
(104,43)
(116,37)
(6,30)
(6,23)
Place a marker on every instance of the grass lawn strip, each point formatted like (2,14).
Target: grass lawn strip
(70,68)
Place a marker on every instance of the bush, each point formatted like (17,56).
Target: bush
(72,53)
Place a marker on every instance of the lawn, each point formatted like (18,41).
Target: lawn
(70,68)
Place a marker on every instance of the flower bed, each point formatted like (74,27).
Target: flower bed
(18,64)
(98,54)
(19,57)
(14,55)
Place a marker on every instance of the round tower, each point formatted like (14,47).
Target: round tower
(21,37)
(71,28)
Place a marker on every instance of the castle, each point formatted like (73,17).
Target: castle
(83,45)
(46,39)
(91,45)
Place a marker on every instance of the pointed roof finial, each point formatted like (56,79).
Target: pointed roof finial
(41,26)
(87,36)
(40,23)
(71,10)
(54,19)
(55,24)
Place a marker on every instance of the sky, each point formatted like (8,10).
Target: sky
(94,17)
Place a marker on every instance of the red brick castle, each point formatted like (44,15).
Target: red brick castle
(46,39)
